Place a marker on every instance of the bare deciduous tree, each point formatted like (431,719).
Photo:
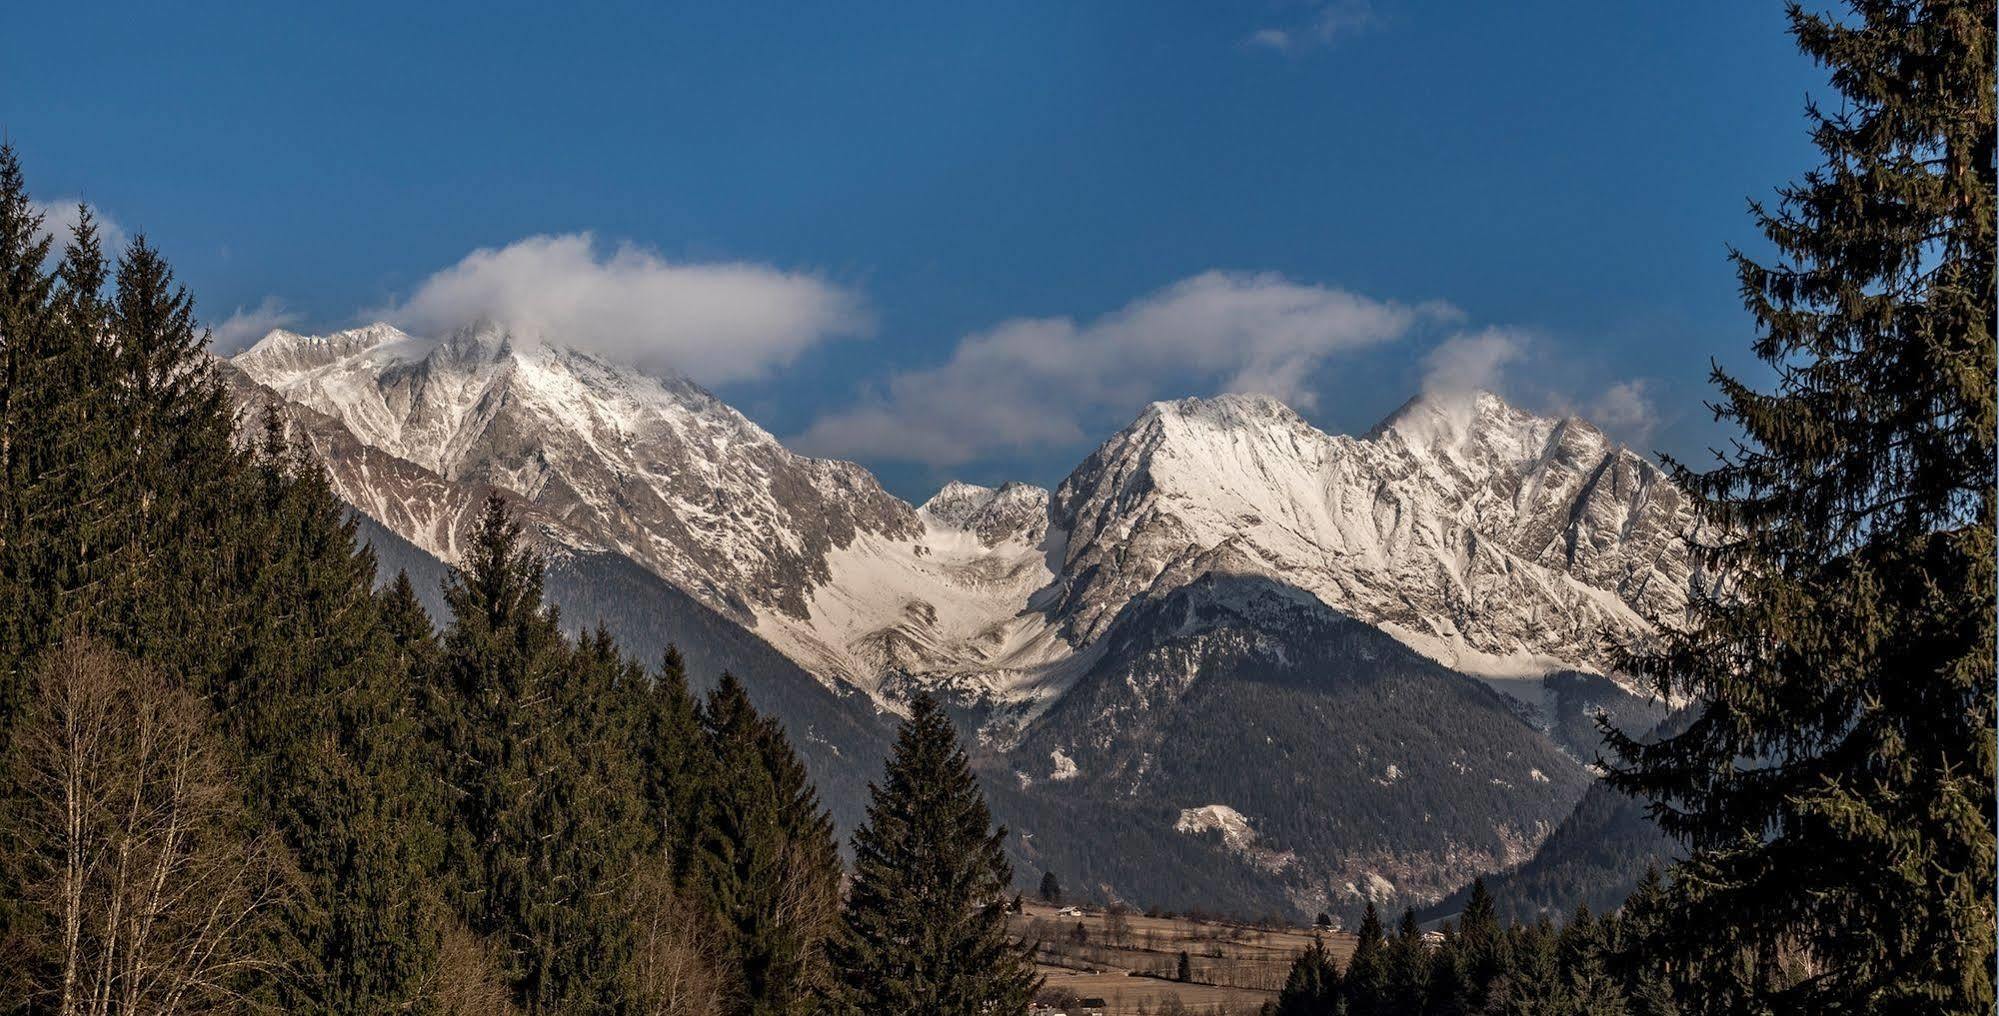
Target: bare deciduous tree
(132,847)
(468,981)
(676,962)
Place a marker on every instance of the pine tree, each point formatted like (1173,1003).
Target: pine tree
(1584,985)
(1051,887)
(133,517)
(1448,994)
(1365,983)
(1312,988)
(766,860)
(671,756)
(1408,968)
(1836,792)
(408,624)
(314,701)
(925,926)
(515,853)
(1482,946)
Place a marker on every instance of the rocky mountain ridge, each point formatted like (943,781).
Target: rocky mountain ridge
(1500,543)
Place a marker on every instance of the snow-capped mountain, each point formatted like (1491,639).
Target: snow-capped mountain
(1500,543)
(1219,593)
(656,469)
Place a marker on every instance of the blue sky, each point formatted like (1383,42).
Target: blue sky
(962,240)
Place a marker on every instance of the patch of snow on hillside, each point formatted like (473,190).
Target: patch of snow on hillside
(1065,767)
(1232,824)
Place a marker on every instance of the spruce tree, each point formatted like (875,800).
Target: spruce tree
(314,699)
(1447,994)
(672,759)
(1584,984)
(1408,967)
(510,765)
(1481,945)
(1365,983)
(925,927)
(1836,792)
(766,860)
(1312,988)
(1051,887)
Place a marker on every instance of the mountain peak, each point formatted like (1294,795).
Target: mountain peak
(1229,409)
(1016,509)
(479,340)
(284,351)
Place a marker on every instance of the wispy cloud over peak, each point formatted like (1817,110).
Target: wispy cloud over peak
(1033,384)
(714,321)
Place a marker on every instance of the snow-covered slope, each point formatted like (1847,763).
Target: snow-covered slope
(1497,542)
(656,469)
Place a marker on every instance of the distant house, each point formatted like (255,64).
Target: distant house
(1069,912)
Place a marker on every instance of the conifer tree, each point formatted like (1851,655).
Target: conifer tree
(512,772)
(766,860)
(1407,961)
(132,516)
(1584,985)
(1312,988)
(1482,946)
(1836,792)
(408,624)
(1447,994)
(1051,887)
(671,756)
(925,927)
(314,700)
(1365,984)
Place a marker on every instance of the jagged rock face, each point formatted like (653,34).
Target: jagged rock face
(1495,541)
(1016,511)
(658,470)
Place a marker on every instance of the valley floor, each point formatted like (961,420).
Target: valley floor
(1131,960)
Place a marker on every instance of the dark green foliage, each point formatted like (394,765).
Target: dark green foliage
(671,763)
(925,926)
(1449,991)
(766,859)
(1594,858)
(1407,961)
(131,516)
(316,700)
(1312,988)
(1365,982)
(1836,792)
(545,810)
(646,615)
(1051,887)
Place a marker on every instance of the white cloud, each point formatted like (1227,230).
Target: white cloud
(1472,362)
(716,322)
(1270,38)
(1483,361)
(1326,22)
(1033,383)
(60,217)
(247,325)
(1625,409)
